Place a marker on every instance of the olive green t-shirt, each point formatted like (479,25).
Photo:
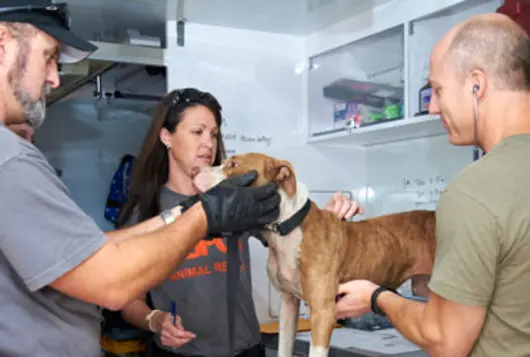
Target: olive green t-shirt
(483,253)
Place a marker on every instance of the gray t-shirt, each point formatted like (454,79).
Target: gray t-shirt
(198,288)
(43,235)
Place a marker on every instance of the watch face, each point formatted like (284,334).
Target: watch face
(167,216)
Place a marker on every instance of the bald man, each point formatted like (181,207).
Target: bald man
(479,305)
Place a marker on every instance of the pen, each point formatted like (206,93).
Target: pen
(174,311)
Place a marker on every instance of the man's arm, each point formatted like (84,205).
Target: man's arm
(441,327)
(127,269)
(461,284)
(49,240)
(147,226)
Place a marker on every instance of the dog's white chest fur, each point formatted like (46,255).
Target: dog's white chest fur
(283,264)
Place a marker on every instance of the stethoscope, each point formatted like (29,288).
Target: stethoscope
(476,154)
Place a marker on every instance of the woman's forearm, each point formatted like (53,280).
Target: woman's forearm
(135,313)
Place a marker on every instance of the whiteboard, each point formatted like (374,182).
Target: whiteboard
(409,175)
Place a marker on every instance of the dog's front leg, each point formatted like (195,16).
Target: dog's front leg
(321,299)
(322,323)
(289,312)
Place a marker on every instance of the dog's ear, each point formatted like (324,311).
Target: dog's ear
(285,177)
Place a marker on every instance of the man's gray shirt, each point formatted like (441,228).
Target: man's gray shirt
(43,235)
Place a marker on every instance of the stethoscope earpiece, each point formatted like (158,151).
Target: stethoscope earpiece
(476,87)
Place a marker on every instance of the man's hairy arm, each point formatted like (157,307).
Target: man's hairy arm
(147,226)
(60,246)
(121,271)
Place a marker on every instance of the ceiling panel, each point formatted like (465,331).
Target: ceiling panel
(294,17)
(108,20)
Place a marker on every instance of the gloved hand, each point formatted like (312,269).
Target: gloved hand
(244,180)
(232,207)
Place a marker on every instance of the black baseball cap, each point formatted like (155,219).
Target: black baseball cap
(51,18)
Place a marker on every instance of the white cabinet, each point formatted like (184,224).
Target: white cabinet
(362,81)
(366,90)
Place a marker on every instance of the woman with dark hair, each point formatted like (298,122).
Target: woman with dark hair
(170,158)
(185,135)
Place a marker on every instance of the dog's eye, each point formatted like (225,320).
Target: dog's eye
(232,164)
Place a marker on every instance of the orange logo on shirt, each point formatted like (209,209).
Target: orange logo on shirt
(202,249)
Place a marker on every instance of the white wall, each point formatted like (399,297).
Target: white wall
(259,80)
(409,175)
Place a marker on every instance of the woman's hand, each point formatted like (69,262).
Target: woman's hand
(173,335)
(343,207)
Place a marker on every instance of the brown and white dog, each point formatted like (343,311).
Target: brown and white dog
(312,251)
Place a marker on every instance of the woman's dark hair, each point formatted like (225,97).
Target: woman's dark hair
(151,169)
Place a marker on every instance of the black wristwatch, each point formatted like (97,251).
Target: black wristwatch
(373,300)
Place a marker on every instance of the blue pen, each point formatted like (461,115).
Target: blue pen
(174,311)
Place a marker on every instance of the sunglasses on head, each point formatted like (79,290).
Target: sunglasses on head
(185,96)
(58,11)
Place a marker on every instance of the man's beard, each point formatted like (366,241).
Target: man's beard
(34,110)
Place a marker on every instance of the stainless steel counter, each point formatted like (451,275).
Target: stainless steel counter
(347,342)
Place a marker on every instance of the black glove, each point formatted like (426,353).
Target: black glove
(234,181)
(232,207)
(244,180)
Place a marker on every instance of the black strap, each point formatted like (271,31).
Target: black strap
(373,300)
(259,236)
(294,221)
(232,287)
(233,267)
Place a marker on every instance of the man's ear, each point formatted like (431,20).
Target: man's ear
(478,80)
(285,177)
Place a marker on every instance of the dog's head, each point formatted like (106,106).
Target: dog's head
(269,169)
